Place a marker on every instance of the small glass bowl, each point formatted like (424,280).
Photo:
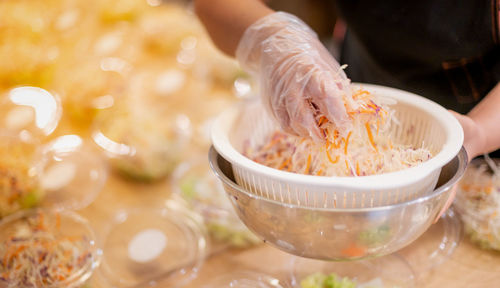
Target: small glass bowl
(72,175)
(475,201)
(38,229)
(140,143)
(64,173)
(30,109)
(148,247)
(435,246)
(194,182)
(386,271)
(245,279)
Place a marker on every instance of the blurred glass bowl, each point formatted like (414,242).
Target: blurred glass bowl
(194,182)
(47,242)
(140,142)
(478,202)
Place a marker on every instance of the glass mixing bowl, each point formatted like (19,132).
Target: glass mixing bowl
(338,233)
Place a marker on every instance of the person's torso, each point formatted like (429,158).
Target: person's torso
(445,50)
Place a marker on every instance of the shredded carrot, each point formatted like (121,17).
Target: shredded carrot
(330,158)
(363,111)
(322,120)
(357,168)
(347,142)
(283,165)
(359,93)
(335,145)
(58,221)
(353,251)
(327,145)
(308,164)
(271,144)
(370,136)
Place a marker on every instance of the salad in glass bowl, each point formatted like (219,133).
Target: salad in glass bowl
(141,142)
(19,172)
(478,202)
(194,182)
(43,248)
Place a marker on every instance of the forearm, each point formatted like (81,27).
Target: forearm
(227,20)
(486,115)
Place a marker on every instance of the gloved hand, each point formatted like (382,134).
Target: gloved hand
(300,81)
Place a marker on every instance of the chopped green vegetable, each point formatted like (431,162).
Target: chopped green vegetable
(320,280)
(188,187)
(236,238)
(30,200)
(375,236)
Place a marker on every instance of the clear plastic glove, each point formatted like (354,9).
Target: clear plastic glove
(300,81)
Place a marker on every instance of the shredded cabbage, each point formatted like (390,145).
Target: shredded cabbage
(364,149)
(478,200)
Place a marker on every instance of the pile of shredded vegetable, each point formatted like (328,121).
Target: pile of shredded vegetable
(35,256)
(478,200)
(18,185)
(363,149)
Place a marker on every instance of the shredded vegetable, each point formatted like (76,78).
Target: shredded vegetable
(35,256)
(320,280)
(478,200)
(364,149)
(19,188)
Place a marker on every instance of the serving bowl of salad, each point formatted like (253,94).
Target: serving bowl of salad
(47,248)
(64,173)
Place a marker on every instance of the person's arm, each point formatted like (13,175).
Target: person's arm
(299,79)
(482,125)
(481,131)
(227,20)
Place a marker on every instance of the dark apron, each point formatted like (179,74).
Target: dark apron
(445,50)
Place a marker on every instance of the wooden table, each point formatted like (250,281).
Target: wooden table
(467,267)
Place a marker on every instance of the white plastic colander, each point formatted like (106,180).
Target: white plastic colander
(420,121)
